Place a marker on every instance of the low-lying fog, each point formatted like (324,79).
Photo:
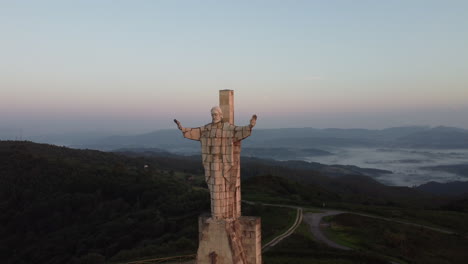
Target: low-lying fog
(407,165)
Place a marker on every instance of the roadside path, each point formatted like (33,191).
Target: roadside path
(297,222)
(265,247)
(314,220)
(336,212)
(437,229)
(288,232)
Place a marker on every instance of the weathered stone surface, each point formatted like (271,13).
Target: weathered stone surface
(220,145)
(225,237)
(233,241)
(251,238)
(226,102)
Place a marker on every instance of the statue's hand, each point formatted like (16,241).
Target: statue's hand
(178,124)
(253,121)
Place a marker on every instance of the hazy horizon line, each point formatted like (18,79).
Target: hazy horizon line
(10,134)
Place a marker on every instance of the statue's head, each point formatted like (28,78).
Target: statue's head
(216,114)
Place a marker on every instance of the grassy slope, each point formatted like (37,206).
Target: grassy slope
(411,244)
(451,220)
(300,248)
(275,220)
(280,190)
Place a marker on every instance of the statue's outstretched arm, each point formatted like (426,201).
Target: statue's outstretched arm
(190,133)
(253,121)
(241,132)
(179,125)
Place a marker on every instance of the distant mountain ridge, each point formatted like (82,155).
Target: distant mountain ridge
(460,169)
(438,137)
(303,138)
(455,188)
(417,136)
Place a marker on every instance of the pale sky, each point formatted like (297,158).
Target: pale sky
(133,66)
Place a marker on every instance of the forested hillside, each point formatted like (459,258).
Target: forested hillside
(59,205)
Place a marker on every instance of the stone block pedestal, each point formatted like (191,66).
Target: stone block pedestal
(229,241)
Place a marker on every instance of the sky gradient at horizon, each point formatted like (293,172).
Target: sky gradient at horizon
(133,66)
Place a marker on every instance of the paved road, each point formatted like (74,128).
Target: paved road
(314,220)
(297,222)
(441,230)
(268,204)
(291,230)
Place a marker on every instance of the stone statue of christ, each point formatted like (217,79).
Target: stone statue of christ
(221,161)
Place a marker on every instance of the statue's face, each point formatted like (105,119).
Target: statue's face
(216,117)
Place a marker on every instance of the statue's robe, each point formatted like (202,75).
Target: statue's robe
(221,158)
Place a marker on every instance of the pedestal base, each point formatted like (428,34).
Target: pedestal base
(229,241)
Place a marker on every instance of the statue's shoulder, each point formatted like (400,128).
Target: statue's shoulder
(227,126)
(224,125)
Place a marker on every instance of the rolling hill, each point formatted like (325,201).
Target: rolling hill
(62,205)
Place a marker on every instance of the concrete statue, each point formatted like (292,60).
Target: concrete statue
(225,237)
(221,167)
